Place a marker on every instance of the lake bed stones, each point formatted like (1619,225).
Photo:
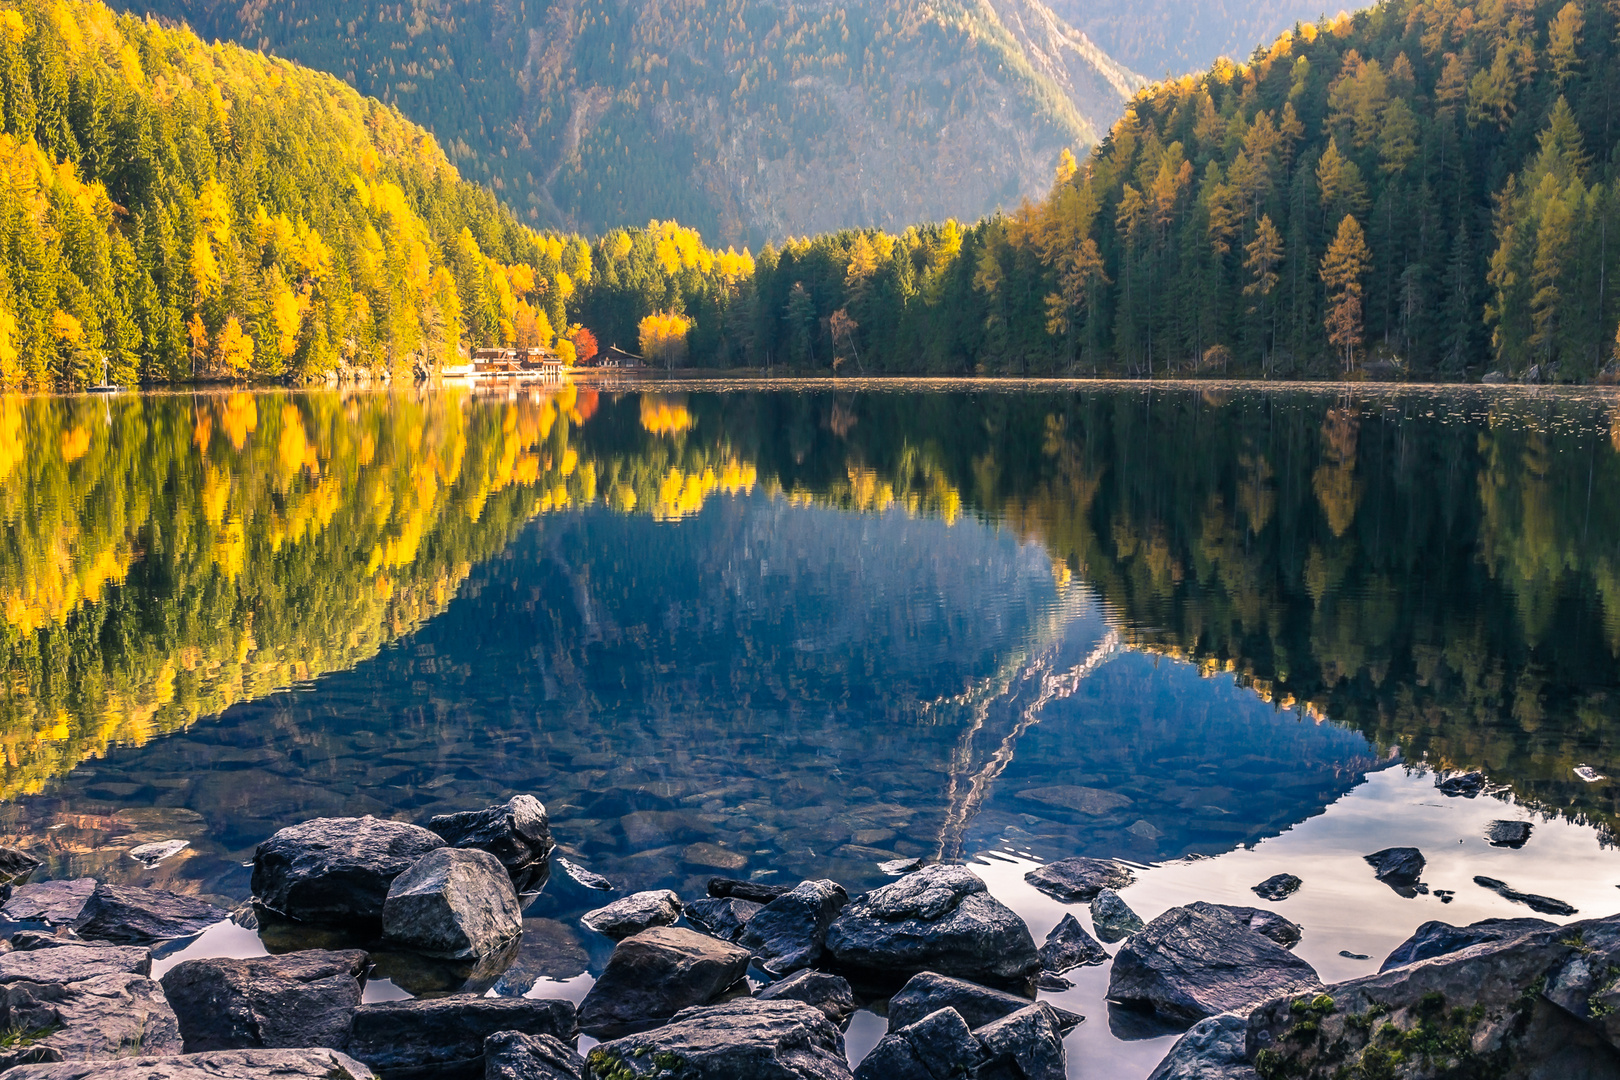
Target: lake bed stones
(336,871)
(453,903)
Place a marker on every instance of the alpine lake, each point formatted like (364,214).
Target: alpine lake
(786,631)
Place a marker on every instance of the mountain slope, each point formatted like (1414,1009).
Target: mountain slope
(747,119)
(1169,37)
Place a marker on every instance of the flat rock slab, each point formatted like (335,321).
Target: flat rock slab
(317,1064)
(517,832)
(1080,878)
(829,993)
(1212,1049)
(445,1036)
(109,1016)
(336,870)
(1201,960)
(768,1040)
(453,904)
(655,974)
(298,1000)
(788,933)
(74,963)
(977,1005)
(130,916)
(1435,938)
(55,902)
(939,919)
(1069,946)
(512,1055)
(1544,904)
(634,913)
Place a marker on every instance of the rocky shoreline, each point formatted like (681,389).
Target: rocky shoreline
(755,980)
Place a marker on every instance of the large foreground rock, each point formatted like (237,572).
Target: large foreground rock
(746,1038)
(936,1046)
(938,919)
(655,974)
(1025,1045)
(444,1037)
(1079,878)
(126,915)
(789,932)
(73,963)
(316,1064)
(454,904)
(97,1019)
(512,1055)
(1436,938)
(517,832)
(632,914)
(1203,959)
(301,999)
(56,903)
(336,870)
(977,1005)
(1212,1049)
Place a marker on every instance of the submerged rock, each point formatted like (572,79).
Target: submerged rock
(435,1037)
(1080,878)
(1069,946)
(585,877)
(721,888)
(1201,960)
(316,1064)
(936,1046)
(721,918)
(1278,887)
(1544,904)
(978,1005)
(634,913)
(149,855)
(1112,917)
(1212,1049)
(1399,868)
(655,974)
(302,999)
(129,916)
(939,919)
(778,1040)
(1435,938)
(512,1055)
(453,903)
(829,993)
(788,933)
(336,870)
(517,832)
(56,903)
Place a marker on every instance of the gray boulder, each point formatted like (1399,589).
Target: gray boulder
(745,1038)
(1025,1045)
(1112,917)
(56,903)
(978,1005)
(445,1037)
(788,933)
(1435,938)
(1278,887)
(1069,946)
(336,870)
(655,974)
(130,916)
(453,903)
(1200,960)
(316,1064)
(829,993)
(517,832)
(1212,1049)
(721,918)
(941,919)
(96,1019)
(939,1046)
(1080,878)
(73,963)
(299,1000)
(634,913)
(512,1055)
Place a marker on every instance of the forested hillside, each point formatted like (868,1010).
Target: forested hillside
(747,119)
(1422,188)
(170,210)
(1172,37)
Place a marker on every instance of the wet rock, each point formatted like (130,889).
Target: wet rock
(130,916)
(71,963)
(713,856)
(721,888)
(302,999)
(719,918)
(1466,784)
(1583,982)
(336,870)
(516,832)
(976,1004)
(16,865)
(95,1019)
(654,975)
(1093,802)
(634,913)
(1200,960)
(1399,868)
(1069,946)
(1348,955)
(1212,1049)
(316,1064)
(1435,938)
(512,1055)
(585,877)
(770,1040)
(1025,1045)
(897,867)
(431,976)
(939,919)
(829,993)
(1544,904)
(1079,878)
(444,1037)
(1051,981)
(938,1046)
(453,903)
(1283,931)
(788,933)
(1112,917)
(57,903)
(29,940)
(149,855)
(1278,887)
(1508,834)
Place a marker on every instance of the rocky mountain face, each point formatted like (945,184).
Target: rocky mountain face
(1169,37)
(749,119)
